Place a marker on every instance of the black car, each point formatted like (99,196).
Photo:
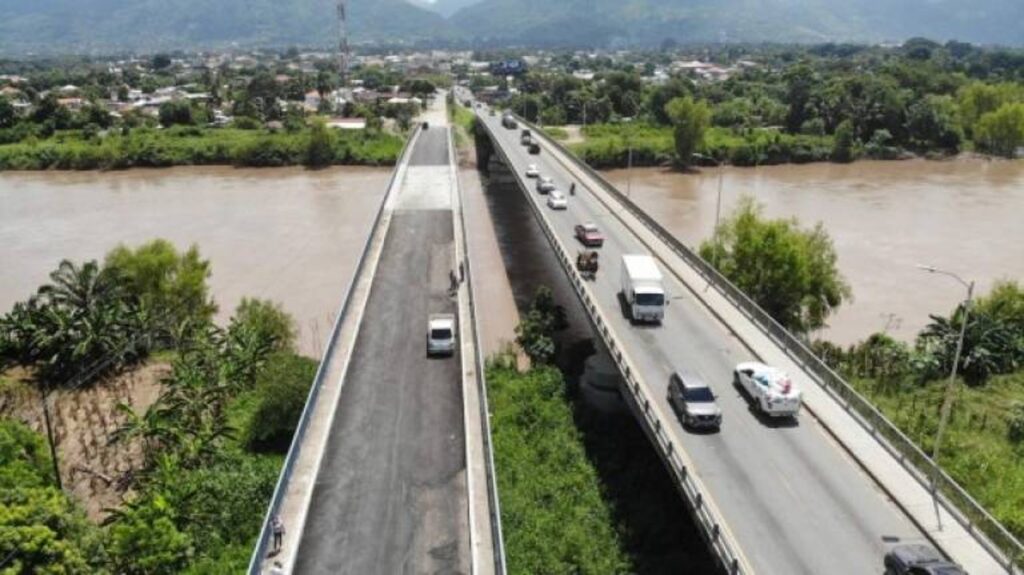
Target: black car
(534,148)
(918,559)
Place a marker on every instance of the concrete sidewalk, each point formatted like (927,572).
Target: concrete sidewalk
(902,487)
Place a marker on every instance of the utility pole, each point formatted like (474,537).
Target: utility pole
(343,50)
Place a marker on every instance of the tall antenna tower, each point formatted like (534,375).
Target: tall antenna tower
(343,53)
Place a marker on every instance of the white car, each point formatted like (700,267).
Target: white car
(545,184)
(532,171)
(557,201)
(771,390)
(441,334)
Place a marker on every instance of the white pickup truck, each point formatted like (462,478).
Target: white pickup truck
(771,390)
(441,334)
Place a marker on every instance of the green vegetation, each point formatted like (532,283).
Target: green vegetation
(553,514)
(788,104)
(43,531)
(983,444)
(535,333)
(790,272)
(556,133)
(146,147)
(690,121)
(212,442)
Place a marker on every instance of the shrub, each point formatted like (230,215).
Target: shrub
(281,392)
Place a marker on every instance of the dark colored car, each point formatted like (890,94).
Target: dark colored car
(918,559)
(588,235)
(534,148)
(694,402)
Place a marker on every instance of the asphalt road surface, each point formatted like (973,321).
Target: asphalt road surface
(793,498)
(390,495)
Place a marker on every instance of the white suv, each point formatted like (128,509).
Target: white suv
(441,334)
(771,390)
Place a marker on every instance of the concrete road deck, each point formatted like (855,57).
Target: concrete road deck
(390,496)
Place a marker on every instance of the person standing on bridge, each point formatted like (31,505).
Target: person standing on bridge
(278,527)
(572,189)
(453,281)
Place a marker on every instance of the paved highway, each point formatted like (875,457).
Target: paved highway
(390,496)
(794,500)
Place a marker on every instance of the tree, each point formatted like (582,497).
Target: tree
(176,113)
(320,147)
(800,82)
(170,285)
(535,333)
(268,320)
(282,390)
(690,120)
(43,531)
(8,116)
(665,93)
(144,539)
(160,61)
(843,142)
(933,121)
(1001,132)
(790,272)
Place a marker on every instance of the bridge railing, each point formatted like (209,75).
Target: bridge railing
(260,553)
(706,516)
(985,528)
(497,538)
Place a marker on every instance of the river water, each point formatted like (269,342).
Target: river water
(965,215)
(290,235)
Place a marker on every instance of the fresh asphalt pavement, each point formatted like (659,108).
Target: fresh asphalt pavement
(390,496)
(795,501)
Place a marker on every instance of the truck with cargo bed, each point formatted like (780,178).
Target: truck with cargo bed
(642,288)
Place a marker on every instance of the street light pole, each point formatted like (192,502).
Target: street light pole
(718,203)
(947,402)
(629,169)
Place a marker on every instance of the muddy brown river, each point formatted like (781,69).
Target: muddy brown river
(965,215)
(290,235)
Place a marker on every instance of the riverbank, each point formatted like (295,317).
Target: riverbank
(180,146)
(884,217)
(607,146)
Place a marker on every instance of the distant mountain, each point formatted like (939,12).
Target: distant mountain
(103,25)
(448,7)
(649,22)
(152,25)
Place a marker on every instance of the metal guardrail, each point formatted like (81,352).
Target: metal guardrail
(706,518)
(259,554)
(497,539)
(985,528)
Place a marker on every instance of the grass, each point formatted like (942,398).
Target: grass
(553,513)
(977,451)
(556,133)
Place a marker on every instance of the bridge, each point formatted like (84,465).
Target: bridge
(390,469)
(828,492)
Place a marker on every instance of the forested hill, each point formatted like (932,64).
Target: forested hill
(651,22)
(152,25)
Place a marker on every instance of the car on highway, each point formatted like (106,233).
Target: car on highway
(918,559)
(440,334)
(533,148)
(532,171)
(694,402)
(525,137)
(557,201)
(769,388)
(589,235)
(545,184)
